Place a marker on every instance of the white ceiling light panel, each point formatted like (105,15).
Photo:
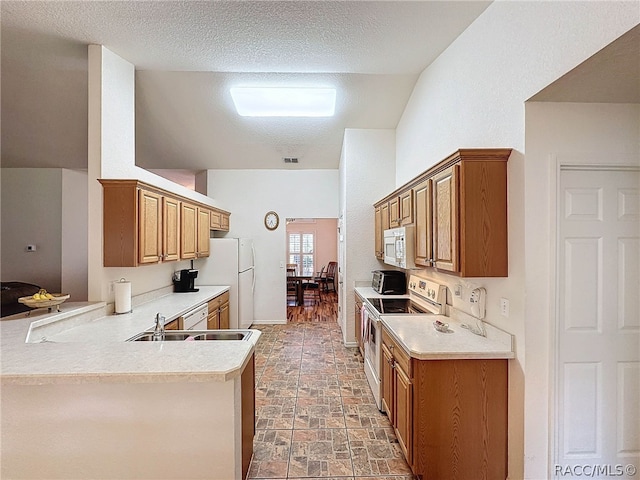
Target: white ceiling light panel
(284,101)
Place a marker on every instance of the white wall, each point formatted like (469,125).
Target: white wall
(473,96)
(248,195)
(558,133)
(74,276)
(112,155)
(32,214)
(367,167)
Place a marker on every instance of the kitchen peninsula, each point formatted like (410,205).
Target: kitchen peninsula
(85,403)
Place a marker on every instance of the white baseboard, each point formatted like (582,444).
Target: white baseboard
(269,322)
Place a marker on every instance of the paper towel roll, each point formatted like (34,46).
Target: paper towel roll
(123,296)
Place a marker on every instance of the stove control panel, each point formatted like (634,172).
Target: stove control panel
(432,291)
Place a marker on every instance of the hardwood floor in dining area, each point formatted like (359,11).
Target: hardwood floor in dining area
(324,310)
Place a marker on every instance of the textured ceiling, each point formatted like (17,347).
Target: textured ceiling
(188,53)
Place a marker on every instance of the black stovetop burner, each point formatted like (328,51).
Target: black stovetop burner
(386,306)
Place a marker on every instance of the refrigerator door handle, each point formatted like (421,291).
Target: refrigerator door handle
(253,284)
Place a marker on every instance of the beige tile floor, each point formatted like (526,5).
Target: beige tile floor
(315,414)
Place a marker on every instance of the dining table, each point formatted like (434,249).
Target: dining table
(299,280)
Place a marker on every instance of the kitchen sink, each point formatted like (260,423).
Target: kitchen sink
(197,335)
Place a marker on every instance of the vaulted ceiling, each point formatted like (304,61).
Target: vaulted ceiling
(188,54)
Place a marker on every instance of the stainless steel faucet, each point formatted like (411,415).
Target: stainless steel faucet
(158,332)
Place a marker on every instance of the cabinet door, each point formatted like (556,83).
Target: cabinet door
(172,325)
(403,412)
(423,224)
(204,224)
(394,212)
(387,383)
(384,210)
(378,232)
(224,222)
(224,315)
(170,229)
(406,207)
(213,320)
(215,220)
(445,221)
(150,218)
(188,230)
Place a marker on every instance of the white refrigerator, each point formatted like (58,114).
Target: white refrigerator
(231,262)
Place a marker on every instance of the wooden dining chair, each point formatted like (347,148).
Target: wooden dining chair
(330,277)
(313,287)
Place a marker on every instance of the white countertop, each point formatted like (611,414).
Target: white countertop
(422,341)
(94,350)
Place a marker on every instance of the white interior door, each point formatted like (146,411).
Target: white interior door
(598,332)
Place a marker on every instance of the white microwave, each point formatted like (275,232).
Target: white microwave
(398,247)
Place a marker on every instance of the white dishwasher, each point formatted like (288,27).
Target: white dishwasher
(196,319)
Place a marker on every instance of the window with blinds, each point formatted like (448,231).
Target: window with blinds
(302,252)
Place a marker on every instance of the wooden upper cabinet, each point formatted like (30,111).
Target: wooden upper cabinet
(188,230)
(459,213)
(378,231)
(423,247)
(203,232)
(170,229)
(406,207)
(216,220)
(143,224)
(394,212)
(445,219)
(224,222)
(384,214)
(150,228)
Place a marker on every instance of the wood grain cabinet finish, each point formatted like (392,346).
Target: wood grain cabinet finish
(218,312)
(460,213)
(394,212)
(170,229)
(445,219)
(188,230)
(248,408)
(150,228)
(406,207)
(378,232)
(143,224)
(423,246)
(203,241)
(450,416)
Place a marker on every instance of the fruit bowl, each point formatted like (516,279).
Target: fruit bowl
(55,301)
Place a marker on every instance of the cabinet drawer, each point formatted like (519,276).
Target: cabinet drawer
(400,356)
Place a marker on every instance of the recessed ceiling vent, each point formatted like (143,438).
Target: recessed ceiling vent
(290,159)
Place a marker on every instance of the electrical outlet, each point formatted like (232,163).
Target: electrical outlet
(504,307)
(458,290)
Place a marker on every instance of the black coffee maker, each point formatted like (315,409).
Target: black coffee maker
(184,280)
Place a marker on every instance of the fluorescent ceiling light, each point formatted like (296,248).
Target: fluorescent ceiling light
(284,101)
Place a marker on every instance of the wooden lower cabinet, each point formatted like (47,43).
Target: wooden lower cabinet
(218,312)
(248,408)
(173,325)
(357,316)
(450,416)
(223,315)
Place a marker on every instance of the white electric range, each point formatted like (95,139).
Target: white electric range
(425,297)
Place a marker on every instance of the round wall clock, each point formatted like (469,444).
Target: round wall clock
(271,220)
